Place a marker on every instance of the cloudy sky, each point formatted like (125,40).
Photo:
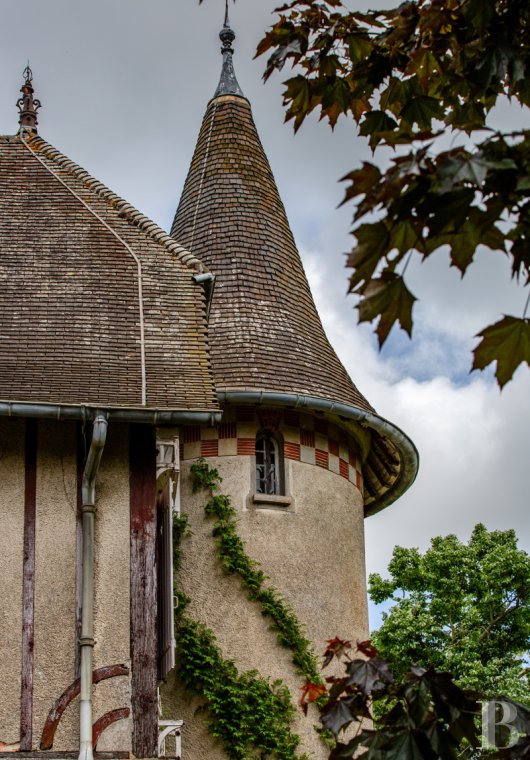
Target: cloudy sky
(124,85)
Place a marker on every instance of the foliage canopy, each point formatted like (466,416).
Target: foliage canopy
(406,76)
(464,608)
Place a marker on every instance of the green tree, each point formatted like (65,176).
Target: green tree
(408,75)
(463,608)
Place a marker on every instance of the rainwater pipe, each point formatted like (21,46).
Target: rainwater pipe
(99,435)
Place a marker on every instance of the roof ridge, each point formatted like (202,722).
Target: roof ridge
(126,209)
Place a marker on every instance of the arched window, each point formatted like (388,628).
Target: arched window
(268,464)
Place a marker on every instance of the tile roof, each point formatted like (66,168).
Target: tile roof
(266,338)
(78,325)
(265,332)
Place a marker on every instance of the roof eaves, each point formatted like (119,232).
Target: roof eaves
(149,415)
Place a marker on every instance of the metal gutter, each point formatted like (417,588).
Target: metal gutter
(407,451)
(120,414)
(99,436)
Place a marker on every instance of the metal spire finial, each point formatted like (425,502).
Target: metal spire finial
(27,104)
(228,83)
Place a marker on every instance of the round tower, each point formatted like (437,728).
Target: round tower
(303,456)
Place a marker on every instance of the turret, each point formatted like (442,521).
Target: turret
(303,455)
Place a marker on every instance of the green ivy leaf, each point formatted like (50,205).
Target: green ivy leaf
(508,343)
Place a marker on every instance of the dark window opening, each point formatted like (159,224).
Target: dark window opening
(164,552)
(268,465)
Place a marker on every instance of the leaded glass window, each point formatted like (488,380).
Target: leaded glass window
(267,464)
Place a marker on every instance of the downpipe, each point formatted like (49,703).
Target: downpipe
(99,435)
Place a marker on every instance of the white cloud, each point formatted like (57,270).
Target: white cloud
(472,439)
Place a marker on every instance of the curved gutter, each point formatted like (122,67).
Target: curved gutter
(207,281)
(120,414)
(99,436)
(408,454)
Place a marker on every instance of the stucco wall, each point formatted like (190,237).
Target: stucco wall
(112,588)
(313,552)
(55,579)
(11,557)
(55,572)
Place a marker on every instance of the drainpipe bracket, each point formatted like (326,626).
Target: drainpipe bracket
(87,642)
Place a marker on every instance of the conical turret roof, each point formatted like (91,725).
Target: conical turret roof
(265,334)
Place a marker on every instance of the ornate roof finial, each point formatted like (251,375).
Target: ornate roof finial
(27,104)
(228,83)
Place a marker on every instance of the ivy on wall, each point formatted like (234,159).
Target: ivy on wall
(233,557)
(248,714)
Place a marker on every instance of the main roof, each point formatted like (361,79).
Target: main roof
(98,306)
(266,339)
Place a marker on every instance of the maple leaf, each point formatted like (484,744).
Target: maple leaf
(368,674)
(335,648)
(421,111)
(310,693)
(388,298)
(367,648)
(372,245)
(337,715)
(362,180)
(508,343)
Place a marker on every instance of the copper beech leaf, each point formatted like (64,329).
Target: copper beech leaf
(506,342)
(337,715)
(389,299)
(368,674)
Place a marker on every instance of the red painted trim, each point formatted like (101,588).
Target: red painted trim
(60,705)
(334,447)
(209,448)
(107,720)
(322,458)
(144,655)
(28,593)
(307,438)
(246,446)
(292,451)
(227,430)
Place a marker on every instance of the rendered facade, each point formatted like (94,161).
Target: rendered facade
(127,354)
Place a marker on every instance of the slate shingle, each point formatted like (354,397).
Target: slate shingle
(265,332)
